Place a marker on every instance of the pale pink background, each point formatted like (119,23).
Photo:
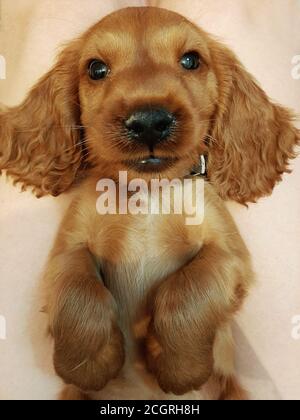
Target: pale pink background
(266,36)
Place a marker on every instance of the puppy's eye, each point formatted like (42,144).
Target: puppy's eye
(98,70)
(190,60)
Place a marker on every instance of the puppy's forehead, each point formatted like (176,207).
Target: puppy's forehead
(143,28)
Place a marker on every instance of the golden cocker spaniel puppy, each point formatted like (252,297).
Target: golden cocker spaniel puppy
(139,305)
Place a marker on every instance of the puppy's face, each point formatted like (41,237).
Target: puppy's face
(148,91)
(152,92)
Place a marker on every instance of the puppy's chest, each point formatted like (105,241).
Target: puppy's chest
(137,252)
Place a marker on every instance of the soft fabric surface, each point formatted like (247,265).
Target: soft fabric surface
(265,35)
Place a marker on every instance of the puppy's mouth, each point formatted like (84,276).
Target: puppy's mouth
(151,164)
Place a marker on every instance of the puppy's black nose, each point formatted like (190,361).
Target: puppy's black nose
(150,126)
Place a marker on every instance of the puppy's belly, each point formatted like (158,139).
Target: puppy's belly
(149,253)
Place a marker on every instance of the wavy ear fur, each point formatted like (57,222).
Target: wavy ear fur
(252,138)
(40,140)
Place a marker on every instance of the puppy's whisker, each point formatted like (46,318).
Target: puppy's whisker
(213,140)
(206,121)
(52,127)
(79,365)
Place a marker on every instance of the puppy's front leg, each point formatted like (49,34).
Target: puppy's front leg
(188,309)
(88,348)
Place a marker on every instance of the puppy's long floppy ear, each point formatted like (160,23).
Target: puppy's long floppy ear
(39,142)
(252,139)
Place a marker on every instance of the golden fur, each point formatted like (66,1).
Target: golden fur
(145,302)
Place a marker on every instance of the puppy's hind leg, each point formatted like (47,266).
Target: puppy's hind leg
(230,388)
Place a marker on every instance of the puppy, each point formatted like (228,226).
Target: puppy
(140,305)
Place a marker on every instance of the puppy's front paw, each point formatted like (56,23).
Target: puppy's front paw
(89,346)
(178,367)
